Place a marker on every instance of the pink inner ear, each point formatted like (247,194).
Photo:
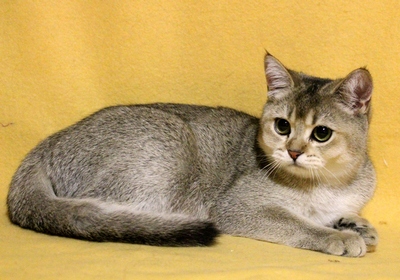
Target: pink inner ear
(359,87)
(276,74)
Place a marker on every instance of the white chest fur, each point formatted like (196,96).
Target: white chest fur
(324,205)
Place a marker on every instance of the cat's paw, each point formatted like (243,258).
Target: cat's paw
(345,243)
(362,227)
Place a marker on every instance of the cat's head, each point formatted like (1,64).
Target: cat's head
(315,128)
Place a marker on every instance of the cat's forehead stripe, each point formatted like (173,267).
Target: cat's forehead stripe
(292,114)
(315,118)
(309,120)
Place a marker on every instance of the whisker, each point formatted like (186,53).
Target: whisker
(316,179)
(266,167)
(333,175)
(272,168)
(311,170)
(320,181)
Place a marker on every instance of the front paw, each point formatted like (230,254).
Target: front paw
(345,243)
(362,227)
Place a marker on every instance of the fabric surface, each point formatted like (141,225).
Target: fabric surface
(62,60)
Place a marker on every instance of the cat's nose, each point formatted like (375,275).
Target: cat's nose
(294,154)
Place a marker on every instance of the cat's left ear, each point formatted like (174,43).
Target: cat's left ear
(356,91)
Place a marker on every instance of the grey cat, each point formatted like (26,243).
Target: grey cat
(178,175)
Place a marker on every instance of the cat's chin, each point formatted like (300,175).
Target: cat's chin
(320,175)
(307,172)
(300,171)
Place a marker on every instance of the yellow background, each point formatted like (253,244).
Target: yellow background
(62,60)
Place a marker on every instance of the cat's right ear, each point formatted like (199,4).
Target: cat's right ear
(279,80)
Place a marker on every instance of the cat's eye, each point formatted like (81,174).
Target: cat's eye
(282,126)
(321,133)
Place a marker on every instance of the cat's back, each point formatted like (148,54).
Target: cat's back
(128,116)
(216,133)
(151,139)
(119,122)
(116,129)
(129,120)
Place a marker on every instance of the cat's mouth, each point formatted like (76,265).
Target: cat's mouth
(302,170)
(296,165)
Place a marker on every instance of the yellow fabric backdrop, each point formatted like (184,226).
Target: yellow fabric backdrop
(62,60)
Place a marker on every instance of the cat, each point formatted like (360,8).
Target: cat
(180,175)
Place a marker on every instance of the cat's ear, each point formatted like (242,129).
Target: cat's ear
(279,80)
(356,90)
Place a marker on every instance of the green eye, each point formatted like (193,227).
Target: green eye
(282,126)
(321,133)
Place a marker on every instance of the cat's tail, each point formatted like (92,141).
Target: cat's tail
(33,204)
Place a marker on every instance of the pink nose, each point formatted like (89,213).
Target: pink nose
(294,154)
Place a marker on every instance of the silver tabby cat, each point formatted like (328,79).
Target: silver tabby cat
(178,175)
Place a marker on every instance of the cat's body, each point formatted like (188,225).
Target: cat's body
(168,174)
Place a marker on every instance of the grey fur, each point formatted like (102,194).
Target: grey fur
(177,175)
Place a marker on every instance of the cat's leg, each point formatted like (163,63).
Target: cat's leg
(279,225)
(361,226)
